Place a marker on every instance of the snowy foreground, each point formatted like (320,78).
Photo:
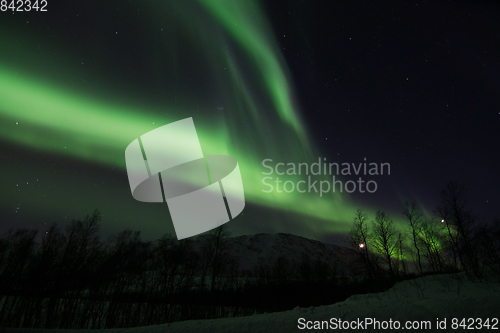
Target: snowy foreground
(424,299)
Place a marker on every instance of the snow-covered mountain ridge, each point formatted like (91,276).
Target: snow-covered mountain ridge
(265,249)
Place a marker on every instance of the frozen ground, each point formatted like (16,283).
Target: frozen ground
(423,299)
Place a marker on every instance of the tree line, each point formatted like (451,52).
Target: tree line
(453,239)
(71,278)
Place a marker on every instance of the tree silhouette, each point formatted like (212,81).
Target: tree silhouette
(359,238)
(414,218)
(460,226)
(385,238)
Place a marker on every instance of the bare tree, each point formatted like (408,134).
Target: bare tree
(430,240)
(18,250)
(215,254)
(359,233)
(401,250)
(489,241)
(460,225)
(385,238)
(414,218)
(359,236)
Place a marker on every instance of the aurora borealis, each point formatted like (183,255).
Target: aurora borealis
(284,81)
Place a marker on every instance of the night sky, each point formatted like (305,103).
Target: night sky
(413,84)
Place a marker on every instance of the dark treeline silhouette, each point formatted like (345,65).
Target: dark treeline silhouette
(451,241)
(70,278)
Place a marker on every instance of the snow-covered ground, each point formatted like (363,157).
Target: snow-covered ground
(429,298)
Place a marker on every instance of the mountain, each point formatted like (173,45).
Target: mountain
(250,251)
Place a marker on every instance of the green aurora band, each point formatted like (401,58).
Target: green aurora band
(250,76)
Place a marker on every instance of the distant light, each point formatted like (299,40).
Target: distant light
(442,221)
(361,245)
